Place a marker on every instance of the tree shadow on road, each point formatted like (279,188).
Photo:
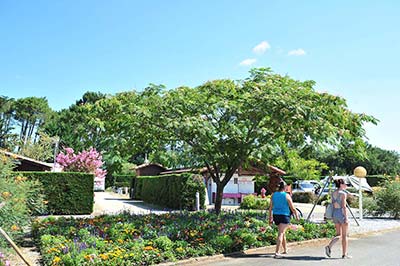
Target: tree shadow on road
(271,255)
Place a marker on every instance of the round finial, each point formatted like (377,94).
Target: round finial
(360,172)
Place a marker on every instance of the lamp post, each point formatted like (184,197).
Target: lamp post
(361,173)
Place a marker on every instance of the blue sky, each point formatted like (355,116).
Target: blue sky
(61,49)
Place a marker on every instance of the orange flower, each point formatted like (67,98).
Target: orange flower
(14,227)
(148,248)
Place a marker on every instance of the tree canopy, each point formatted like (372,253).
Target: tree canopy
(226,122)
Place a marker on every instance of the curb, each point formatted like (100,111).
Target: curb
(271,249)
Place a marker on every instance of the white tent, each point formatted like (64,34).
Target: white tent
(354,181)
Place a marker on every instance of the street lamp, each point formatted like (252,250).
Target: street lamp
(361,173)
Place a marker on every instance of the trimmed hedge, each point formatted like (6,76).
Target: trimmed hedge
(123,180)
(66,192)
(172,191)
(377,180)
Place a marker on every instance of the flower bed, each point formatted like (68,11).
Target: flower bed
(127,239)
(3,260)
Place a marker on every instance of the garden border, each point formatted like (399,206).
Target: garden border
(270,249)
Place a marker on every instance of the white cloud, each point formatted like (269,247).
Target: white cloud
(248,62)
(297,52)
(261,47)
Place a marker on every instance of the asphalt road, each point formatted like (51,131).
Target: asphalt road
(379,249)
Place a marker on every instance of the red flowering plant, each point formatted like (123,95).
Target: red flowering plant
(89,161)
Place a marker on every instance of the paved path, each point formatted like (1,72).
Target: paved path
(377,249)
(112,203)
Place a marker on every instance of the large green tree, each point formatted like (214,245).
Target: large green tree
(377,161)
(6,120)
(31,113)
(226,122)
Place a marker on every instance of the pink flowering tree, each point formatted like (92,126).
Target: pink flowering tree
(89,161)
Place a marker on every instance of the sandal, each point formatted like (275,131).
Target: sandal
(346,257)
(328,251)
(277,256)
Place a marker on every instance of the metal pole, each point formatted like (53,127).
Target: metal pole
(360,210)
(197,201)
(9,240)
(352,214)
(319,195)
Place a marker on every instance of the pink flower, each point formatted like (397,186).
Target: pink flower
(85,161)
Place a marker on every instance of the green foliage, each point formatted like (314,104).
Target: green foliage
(127,239)
(41,149)
(376,160)
(298,167)
(252,202)
(66,192)
(123,180)
(172,191)
(20,199)
(225,122)
(377,180)
(304,197)
(388,199)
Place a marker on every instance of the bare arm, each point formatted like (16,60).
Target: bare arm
(270,211)
(291,206)
(344,198)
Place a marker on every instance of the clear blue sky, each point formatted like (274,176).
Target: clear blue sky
(61,49)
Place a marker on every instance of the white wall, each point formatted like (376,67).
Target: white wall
(245,184)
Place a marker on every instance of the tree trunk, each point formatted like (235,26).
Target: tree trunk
(218,198)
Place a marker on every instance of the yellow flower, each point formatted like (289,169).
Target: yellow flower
(103,256)
(5,194)
(56,260)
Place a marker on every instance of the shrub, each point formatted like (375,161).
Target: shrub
(20,198)
(65,192)
(304,197)
(388,199)
(172,191)
(370,206)
(85,162)
(252,202)
(123,180)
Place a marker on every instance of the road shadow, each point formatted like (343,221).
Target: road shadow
(271,255)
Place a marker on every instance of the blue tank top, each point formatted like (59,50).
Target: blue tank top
(280,204)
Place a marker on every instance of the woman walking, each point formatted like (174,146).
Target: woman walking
(279,213)
(339,218)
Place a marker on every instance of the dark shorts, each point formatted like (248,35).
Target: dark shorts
(281,219)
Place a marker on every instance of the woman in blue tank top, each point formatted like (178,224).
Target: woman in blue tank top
(279,213)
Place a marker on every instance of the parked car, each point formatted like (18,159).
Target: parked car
(305,186)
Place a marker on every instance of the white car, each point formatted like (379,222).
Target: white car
(304,186)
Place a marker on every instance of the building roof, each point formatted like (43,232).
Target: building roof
(185,170)
(22,158)
(149,164)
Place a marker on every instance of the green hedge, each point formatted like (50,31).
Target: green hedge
(123,180)
(172,191)
(377,180)
(304,197)
(66,192)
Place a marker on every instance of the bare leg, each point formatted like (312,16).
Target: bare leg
(281,233)
(336,238)
(344,226)
(284,242)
